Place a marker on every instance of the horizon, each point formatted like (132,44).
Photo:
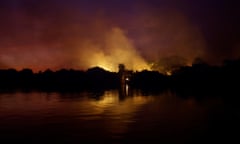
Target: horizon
(165,72)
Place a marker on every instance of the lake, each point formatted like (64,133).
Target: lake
(114,116)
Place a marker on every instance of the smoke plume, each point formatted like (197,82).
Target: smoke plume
(115,49)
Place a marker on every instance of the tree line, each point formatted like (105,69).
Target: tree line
(198,77)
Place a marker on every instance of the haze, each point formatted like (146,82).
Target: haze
(41,34)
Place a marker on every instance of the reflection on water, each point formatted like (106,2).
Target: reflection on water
(110,115)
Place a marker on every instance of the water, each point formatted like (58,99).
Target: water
(111,116)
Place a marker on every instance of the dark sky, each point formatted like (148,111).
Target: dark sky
(41,34)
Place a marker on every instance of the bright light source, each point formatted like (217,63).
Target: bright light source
(169,73)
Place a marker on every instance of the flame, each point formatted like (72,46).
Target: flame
(106,65)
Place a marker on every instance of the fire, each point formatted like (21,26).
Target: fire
(117,49)
(106,66)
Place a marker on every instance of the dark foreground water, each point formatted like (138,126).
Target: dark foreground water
(113,117)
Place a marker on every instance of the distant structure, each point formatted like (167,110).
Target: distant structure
(124,78)
(125,75)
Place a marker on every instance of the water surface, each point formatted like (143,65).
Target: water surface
(111,116)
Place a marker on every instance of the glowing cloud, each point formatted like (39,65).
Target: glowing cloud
(82,34)
(115,49)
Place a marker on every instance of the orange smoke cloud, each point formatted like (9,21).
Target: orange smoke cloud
(68,38)
(82,34)
(115,49)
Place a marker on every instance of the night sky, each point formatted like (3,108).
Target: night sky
(79,34)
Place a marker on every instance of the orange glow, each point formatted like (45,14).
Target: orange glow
(79,41)
(116,49)
(169,73)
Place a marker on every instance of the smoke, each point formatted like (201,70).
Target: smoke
(63,39)
(167,34)
(146,40)
(81,34)
(115,49)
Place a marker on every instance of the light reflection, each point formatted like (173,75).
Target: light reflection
(107,100)
(117,113)
(111,99)
(107,115)
(127,88)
